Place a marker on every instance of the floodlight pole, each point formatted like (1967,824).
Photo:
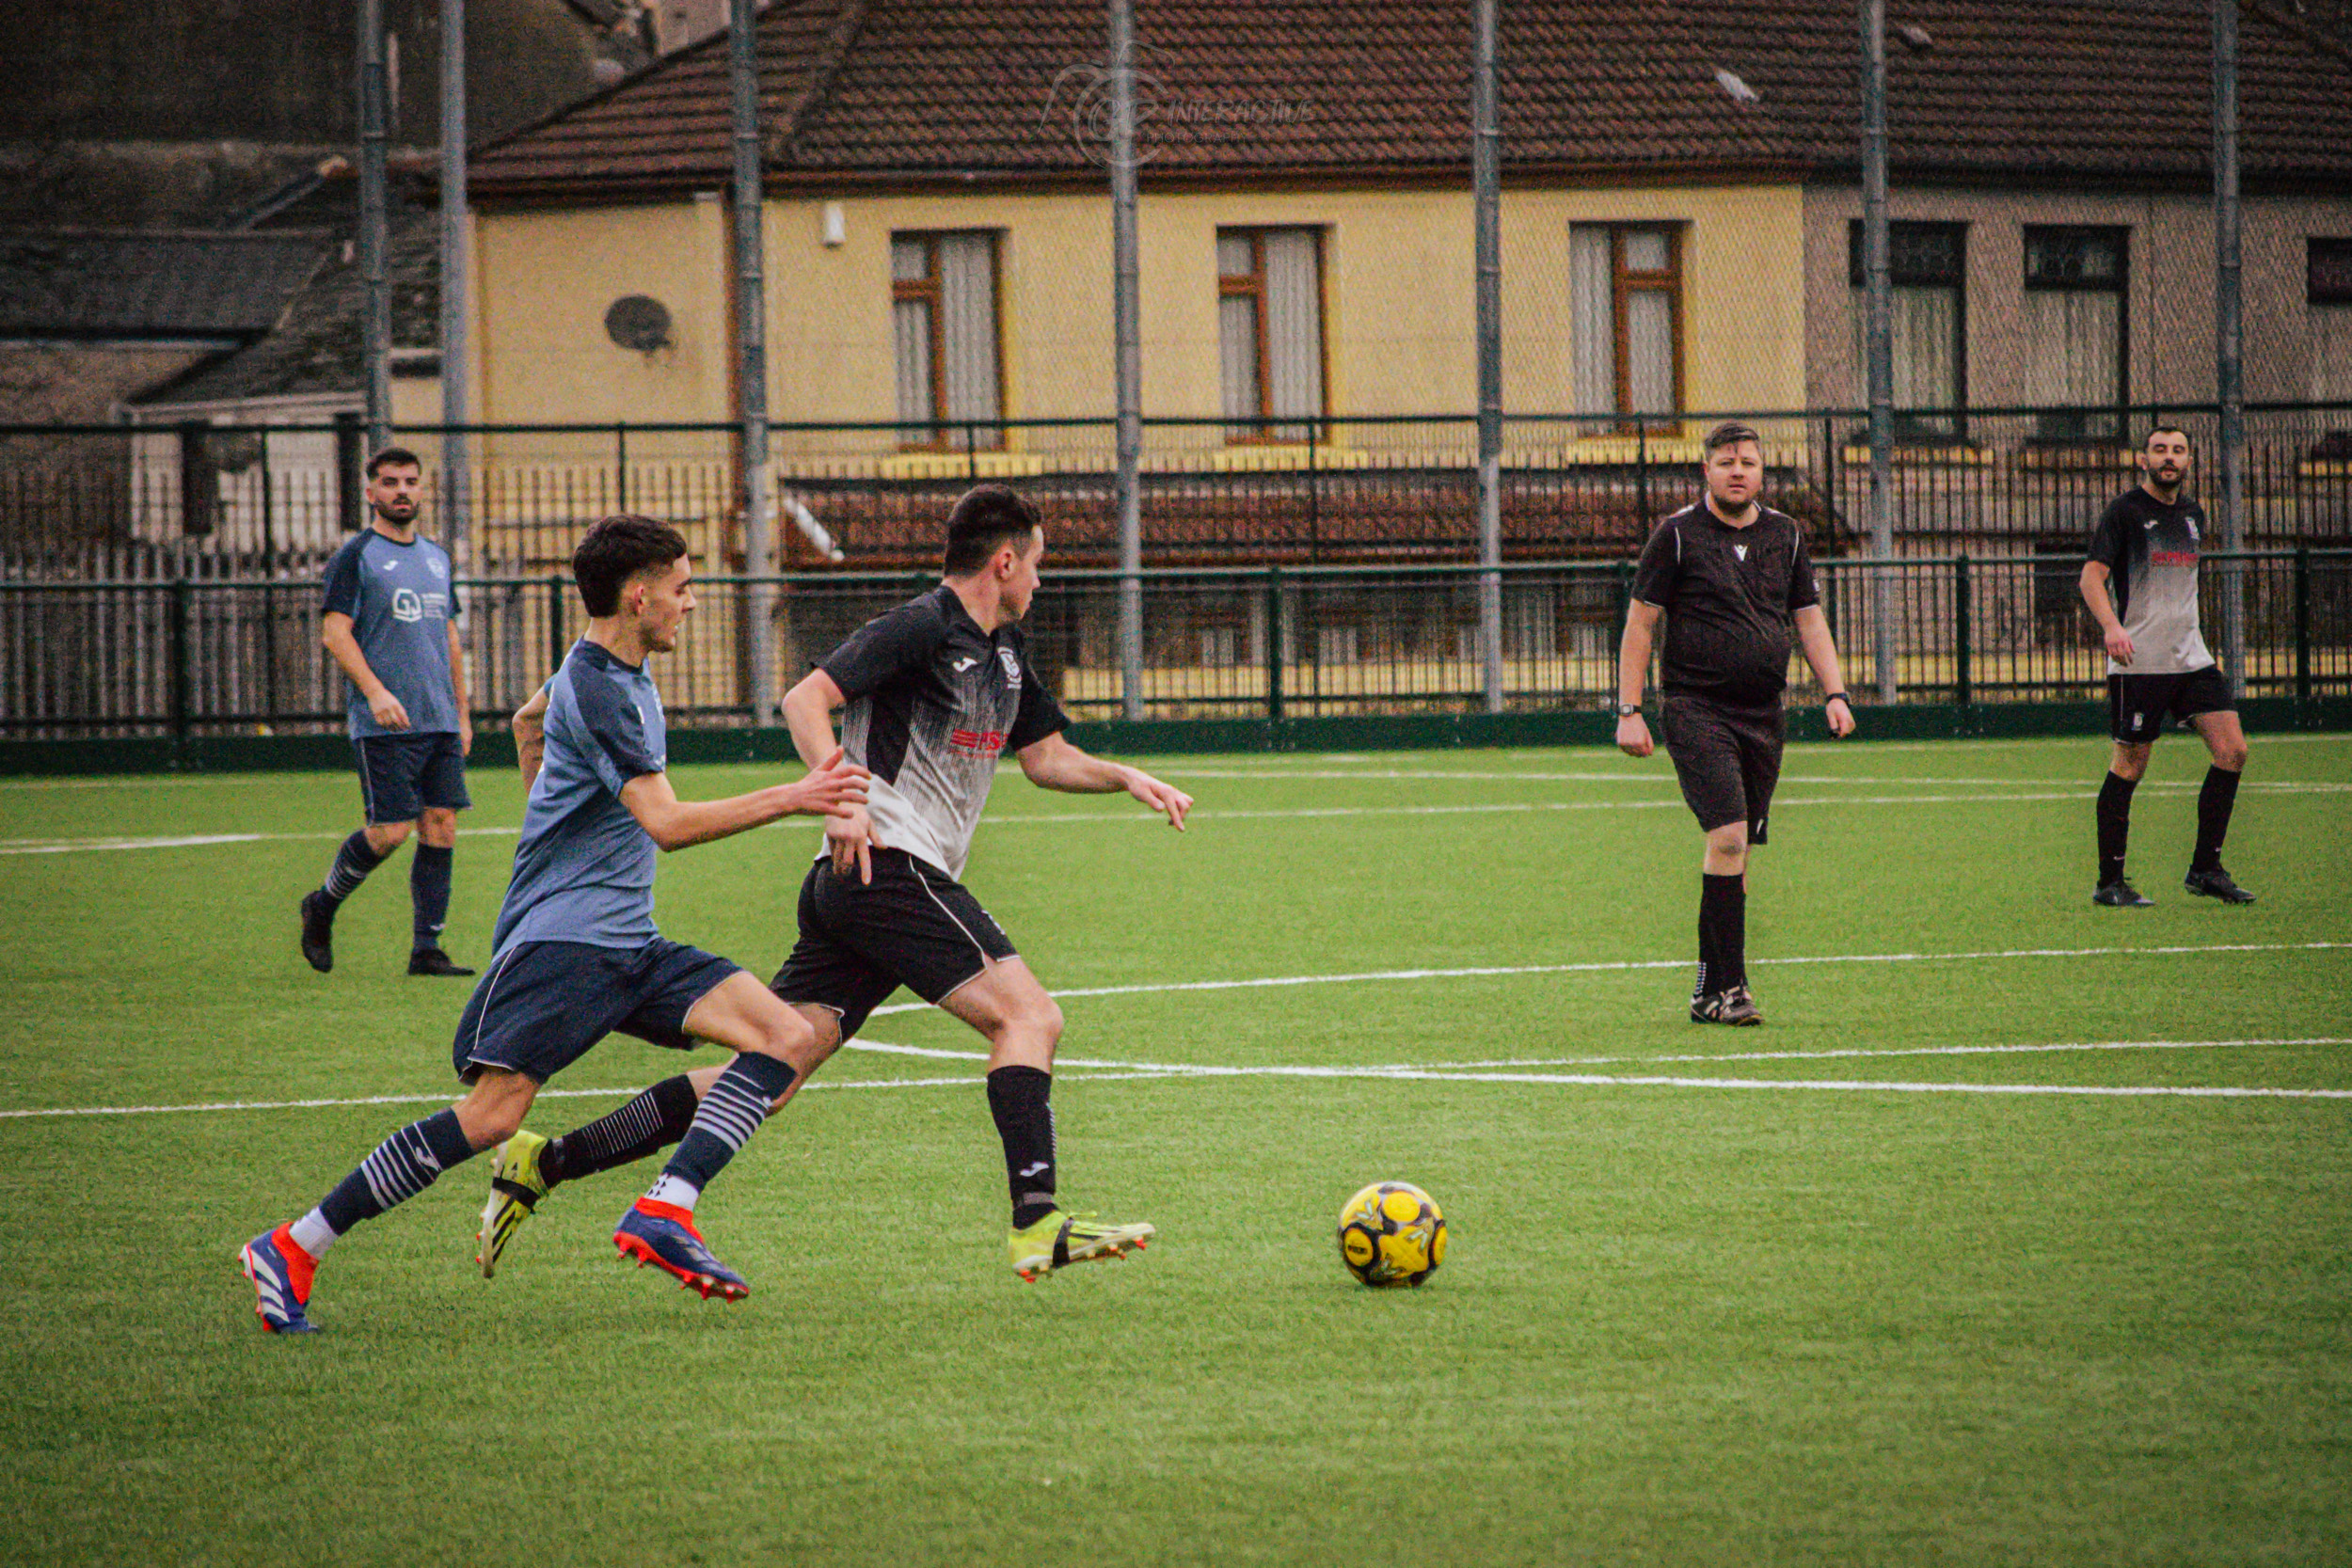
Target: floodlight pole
(2229,339)
(1878,343)
(1127,367)
(376,320)
(454,367)
(751,380)
(1487,198)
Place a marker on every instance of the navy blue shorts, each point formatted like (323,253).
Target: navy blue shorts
(912,926)
(543,1004)
(402,775)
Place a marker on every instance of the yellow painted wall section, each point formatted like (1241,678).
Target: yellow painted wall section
(546,279)
(1397,290)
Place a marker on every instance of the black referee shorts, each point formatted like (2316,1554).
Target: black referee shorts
(912,926)
(1726,758)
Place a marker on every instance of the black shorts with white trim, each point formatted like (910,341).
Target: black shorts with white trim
(912,926)
(2137,706)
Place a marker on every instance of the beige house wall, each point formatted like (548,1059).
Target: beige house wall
(1398,310)
(2168,306)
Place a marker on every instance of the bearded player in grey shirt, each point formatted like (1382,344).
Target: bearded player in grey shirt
(2141,583)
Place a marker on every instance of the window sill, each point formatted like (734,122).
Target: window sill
(2094,454)
(1626,450)
(1955,455)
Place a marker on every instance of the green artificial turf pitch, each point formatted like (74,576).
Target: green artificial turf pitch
(1690,1315)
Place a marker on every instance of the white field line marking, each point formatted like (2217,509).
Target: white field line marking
(184,841)
(1269,776)
(1433,1072)
(1616,966)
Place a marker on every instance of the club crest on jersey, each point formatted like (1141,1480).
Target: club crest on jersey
(406,605)
(1011,662)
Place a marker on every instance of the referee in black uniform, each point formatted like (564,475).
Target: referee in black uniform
(1733,582)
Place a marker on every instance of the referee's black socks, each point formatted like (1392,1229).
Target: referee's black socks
(2115,825)
(2215,802)
(1723,933)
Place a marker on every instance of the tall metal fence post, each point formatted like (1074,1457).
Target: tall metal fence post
(2302,623)
(1273,643)
(183,675)
(351,507)
(1486,199)
(456,367)
(1878,343)
(1127,355)
(375,316)
(751,330)
(620,465)
(2229,335)
(1963,637)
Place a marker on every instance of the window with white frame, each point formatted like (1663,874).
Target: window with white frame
(1625,283)
(1927,265)
(950,379)
(1269,315)
(2328,291)
(2077,332)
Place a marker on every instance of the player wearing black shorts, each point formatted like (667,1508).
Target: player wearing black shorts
(1733,582)
(577,953)
(2141,583)
(389,619)
(936,690)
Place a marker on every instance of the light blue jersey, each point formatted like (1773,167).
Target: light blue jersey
(585,869)
(399,600)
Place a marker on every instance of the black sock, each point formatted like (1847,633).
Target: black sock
(401,1167)
(1021,1100)
(2213,803)
(353,863)
(2115,825)
(428,890)
(1723,932)
(647,1125)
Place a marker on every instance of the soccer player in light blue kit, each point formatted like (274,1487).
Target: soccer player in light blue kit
(577,955)
(389,619)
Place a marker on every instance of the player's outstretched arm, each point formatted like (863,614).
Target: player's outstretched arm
(834,789)
(1053,762)
(1820,651)
(530,727)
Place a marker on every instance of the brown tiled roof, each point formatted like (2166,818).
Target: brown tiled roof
(912,91)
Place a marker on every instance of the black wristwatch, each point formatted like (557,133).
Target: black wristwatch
(1838,697)
(1628,710)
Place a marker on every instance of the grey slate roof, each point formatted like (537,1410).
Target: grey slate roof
(155,285)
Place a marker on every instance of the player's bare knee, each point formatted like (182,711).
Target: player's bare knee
(2130,761)
(824,1027)
(385,837)
(437,826)
(2230,756)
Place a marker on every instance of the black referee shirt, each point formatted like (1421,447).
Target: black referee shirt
(1729,594)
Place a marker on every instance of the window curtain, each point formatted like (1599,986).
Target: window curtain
(2074,355)
(1293,327)
(1592,322)
(910,321)
(967,306)
(1238,333)
(1925,324)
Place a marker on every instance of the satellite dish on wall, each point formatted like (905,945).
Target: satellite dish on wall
(638,322)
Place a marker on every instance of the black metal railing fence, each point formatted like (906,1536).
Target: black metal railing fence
(203,656)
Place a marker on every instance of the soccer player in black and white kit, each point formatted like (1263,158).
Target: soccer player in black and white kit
(2141,583)
(1733,582)
(936,692)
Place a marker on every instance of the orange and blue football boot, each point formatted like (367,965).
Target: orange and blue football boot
(281,1273)
(664,1234)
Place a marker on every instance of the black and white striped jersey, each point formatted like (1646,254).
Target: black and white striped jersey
(934,701)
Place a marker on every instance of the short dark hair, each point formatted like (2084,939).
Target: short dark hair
(984,517)
(393,454)
(2156,431)
(616,550)
(1730,433)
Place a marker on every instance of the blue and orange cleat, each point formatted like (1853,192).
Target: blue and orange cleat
(281,1273)
(664,1234)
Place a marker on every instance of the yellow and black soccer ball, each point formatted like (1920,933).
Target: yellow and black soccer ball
(1391,1233)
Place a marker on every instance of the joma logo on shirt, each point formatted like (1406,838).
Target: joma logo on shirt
(976,740)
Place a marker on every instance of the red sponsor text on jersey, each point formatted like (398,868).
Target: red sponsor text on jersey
(976,740)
